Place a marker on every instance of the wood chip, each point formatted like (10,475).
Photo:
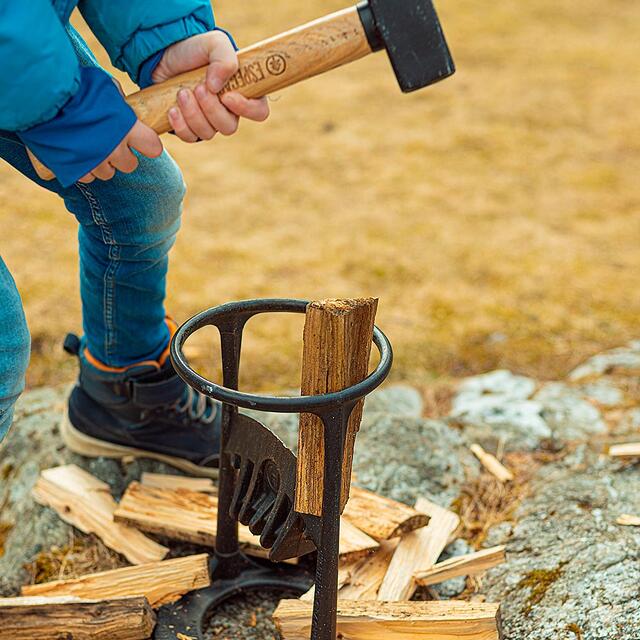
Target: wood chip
(492,464)
(417,551)
(86,503)
(466,565)
(444,620)
(627,450)
(159,582)
(628,520)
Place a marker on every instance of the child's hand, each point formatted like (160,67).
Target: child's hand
(200,114)
(141,138)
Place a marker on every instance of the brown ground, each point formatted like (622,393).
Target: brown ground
(495,215)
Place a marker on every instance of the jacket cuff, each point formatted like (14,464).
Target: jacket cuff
(147,68)
(149,65)
(85,131)
(145,44)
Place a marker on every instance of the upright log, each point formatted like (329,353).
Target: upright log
(159,582)
(66,618)
(337,346)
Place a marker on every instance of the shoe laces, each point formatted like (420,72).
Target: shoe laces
(196,406)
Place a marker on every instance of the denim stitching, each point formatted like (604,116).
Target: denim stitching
(109,291)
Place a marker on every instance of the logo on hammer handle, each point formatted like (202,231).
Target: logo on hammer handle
(276,64)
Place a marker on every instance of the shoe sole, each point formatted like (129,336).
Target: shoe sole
(90,447)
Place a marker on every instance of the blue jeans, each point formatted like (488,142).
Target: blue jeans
(127,226)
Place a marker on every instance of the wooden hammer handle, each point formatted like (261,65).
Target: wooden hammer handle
(265,67)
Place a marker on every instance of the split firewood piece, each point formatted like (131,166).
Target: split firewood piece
(492,464)
(178,514)
(86,503)
(69,617)
(159,582)
(337,346)
(168,481)
(380,517)
(628,520)
(354,544)
(192,516)
(466,565)
(627,450)
(417,551)
(436,620)
(366,575)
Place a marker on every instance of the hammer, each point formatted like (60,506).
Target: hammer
(409,30)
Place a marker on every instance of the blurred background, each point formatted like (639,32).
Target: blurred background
(496,215)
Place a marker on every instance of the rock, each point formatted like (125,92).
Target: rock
(629,423)
(604,392)
(493,408)
(492,419)
(403,458)
(500,382)
(621,359)
(398,400)
(571,572)
(568,414)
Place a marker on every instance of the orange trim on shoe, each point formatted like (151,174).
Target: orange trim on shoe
(173,327)
(103,367)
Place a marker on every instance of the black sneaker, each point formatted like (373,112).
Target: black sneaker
(144,411)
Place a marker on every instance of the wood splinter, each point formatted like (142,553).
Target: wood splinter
(492,464)
(466,565)
(626,450)
(160,582)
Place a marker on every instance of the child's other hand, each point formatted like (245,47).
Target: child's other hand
(141,138)
(200,114)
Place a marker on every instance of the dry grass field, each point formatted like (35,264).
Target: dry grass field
(496,215)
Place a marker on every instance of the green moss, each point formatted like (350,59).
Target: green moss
(575,629)
(539,581)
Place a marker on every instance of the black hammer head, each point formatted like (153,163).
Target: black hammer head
(411,33)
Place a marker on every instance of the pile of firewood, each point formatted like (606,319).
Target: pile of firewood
(387,550)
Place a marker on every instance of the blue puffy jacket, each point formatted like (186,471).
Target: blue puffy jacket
(43,88)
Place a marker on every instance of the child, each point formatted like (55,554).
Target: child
(57,102)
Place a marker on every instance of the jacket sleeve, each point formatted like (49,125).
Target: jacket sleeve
(132,31)
(39,71)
